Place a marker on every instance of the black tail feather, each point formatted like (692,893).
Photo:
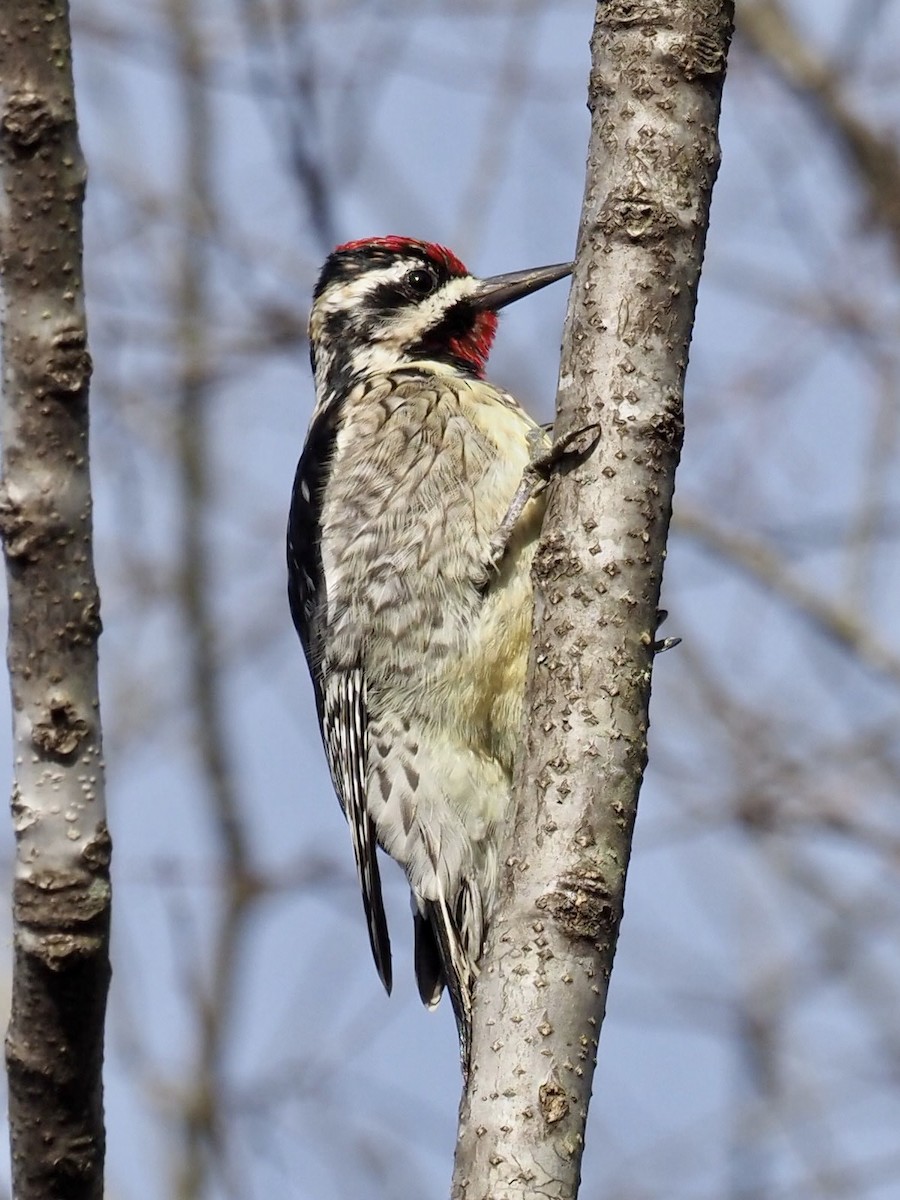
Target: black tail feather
(457,972)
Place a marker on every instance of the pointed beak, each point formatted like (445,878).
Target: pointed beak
(500,290)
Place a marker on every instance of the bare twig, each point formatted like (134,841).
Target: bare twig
(840,623)
(874,154)
(62,895)
(203,1119)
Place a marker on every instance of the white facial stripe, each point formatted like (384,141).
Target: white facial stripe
(420,316)
(341,296)
(404,328)
(370,360)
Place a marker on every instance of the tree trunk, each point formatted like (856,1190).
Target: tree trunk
(655,92)
(61,891)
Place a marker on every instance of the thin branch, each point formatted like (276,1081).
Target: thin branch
(54,1045)
(875,155)
(204,1121)
(839,623)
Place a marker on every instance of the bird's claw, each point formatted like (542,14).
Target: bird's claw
(668,643)
(577,443)
(663,644)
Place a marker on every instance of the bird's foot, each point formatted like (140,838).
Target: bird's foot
(576,444)
(663,644)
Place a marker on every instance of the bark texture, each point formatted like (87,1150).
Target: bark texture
(61,890)
(655,92)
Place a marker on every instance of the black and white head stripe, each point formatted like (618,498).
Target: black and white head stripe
(385,303)
(394,255)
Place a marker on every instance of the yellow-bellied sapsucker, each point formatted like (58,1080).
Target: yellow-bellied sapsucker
(415,628)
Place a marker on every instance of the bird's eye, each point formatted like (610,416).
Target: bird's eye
(420,282)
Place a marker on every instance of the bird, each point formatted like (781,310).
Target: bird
(410,541)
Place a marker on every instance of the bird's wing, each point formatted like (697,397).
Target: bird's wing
(344,722)
(340,695)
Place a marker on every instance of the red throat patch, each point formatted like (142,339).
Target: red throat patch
(475,345)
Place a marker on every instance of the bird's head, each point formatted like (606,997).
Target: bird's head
(387,303)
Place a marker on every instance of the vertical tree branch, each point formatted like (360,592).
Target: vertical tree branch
(654,95)
(61,893)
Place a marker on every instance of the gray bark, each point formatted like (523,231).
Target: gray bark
(61,889)
(655,92)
